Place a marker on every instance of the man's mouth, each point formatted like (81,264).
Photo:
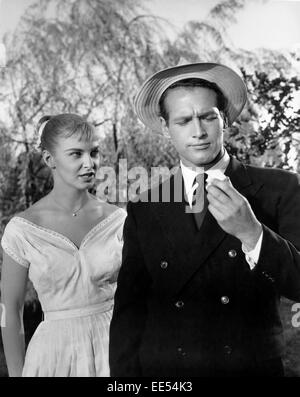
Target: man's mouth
(200,145)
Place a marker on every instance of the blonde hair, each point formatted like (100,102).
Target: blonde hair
(62,125)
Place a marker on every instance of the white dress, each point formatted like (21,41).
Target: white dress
(75,287)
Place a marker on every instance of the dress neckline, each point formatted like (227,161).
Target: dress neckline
(87,236)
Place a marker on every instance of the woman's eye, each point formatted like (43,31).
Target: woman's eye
(75,154)
(95,153)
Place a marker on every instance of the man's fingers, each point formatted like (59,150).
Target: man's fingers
(223,210)
(216,213)
(215,193)
(226,187)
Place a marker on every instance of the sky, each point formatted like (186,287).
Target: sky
(263,23)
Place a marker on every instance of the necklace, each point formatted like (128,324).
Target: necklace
(75,212)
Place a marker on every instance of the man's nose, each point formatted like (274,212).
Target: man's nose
(198,130)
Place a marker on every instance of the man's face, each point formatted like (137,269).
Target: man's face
(195,124)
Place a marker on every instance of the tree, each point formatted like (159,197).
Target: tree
(87,59)
(275,140)
(90,57)
(270,78)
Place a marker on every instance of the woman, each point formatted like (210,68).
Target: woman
(69,244)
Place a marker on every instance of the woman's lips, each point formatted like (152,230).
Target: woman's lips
(88,175)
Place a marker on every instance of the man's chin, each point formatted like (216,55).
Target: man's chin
(203,161)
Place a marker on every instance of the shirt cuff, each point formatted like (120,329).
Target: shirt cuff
(253,255)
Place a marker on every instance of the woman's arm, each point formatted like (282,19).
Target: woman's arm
(13,288)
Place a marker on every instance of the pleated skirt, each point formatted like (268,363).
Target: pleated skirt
(71,347)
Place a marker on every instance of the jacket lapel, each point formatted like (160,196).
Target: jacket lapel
(190,249)
(240,178)
(177,224)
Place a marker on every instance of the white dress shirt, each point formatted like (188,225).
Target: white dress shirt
(189,174)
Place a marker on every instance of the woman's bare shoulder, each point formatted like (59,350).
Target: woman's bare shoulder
(35,211)
(107,207)
(112,208)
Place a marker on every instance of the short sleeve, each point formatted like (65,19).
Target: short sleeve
(12,243)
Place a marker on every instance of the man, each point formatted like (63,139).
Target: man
(199,289)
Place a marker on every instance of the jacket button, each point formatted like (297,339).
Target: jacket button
(232,253)
(227,349)
(181,351)
(164,264)
(224,300)
(179,304)
(268,277)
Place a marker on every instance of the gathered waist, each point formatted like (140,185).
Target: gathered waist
(78,312)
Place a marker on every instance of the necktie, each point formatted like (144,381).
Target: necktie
(199,200)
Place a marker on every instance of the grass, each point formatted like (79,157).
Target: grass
(291,358)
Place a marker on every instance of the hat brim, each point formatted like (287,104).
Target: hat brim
(146,103)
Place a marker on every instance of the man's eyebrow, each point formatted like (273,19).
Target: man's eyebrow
(183,117)
(211,111)
(190,116)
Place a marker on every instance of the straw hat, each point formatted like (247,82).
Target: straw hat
(230,83)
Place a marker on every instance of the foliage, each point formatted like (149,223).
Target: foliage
(269,127)
(90,57)
(86,57)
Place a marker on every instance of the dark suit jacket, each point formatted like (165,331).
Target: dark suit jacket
(187,303)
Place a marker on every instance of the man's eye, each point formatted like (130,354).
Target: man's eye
(183,122)
(210,118)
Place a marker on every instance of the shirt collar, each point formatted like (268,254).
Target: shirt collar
(189,173)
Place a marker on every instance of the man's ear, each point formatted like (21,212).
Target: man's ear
(164,128)
(48,159)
